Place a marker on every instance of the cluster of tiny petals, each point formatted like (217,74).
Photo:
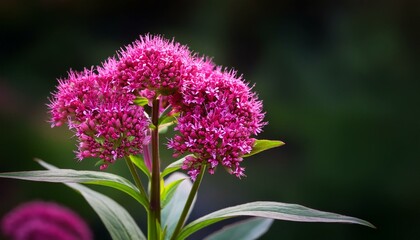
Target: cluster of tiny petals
(198,68)
(153,63)
(112,131)
(44,221)
(106,123)
(219,114)
(72,96)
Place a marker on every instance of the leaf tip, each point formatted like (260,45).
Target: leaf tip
(368,224)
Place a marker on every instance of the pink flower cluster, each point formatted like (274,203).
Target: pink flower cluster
(103,118)
(111,131)
(218,112)
(44,221)
(153,63)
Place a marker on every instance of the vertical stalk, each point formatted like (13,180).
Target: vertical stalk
(190,199)
(151,227)
(155,184)
(135,176)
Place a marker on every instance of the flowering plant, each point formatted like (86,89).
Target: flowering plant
(119,109)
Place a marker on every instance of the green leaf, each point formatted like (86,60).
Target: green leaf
(118,222)
(141,101)
(175,166)
(86,177)
(169,191)
(100,140)
(173,209)
(249,229)
(262,145)
(274,210)
(99,163)
(165,122)
(139,162)
(163,130)
(116,219)
(168,120)
(163,235)
(159,230)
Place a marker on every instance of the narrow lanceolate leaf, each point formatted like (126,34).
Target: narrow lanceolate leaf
(169,191)
(139,162)
(249,229)
(262,145)
(119,223)
(175,166)
(168,120)
(141,101)
(86,177)
(273,210)
(173,209)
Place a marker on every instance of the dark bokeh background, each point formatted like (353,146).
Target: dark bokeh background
(338,80)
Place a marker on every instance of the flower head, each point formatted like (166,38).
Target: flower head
(105,120)
(153,63)
(44,221)
(73,96)
(218,112)
(112,130)
(218,116)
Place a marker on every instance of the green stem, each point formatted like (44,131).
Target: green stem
(151,226)
(155,207)
(190,199)
(135,176)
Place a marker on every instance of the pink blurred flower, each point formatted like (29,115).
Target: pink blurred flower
(44,221)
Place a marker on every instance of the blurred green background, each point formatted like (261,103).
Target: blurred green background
(338,81)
